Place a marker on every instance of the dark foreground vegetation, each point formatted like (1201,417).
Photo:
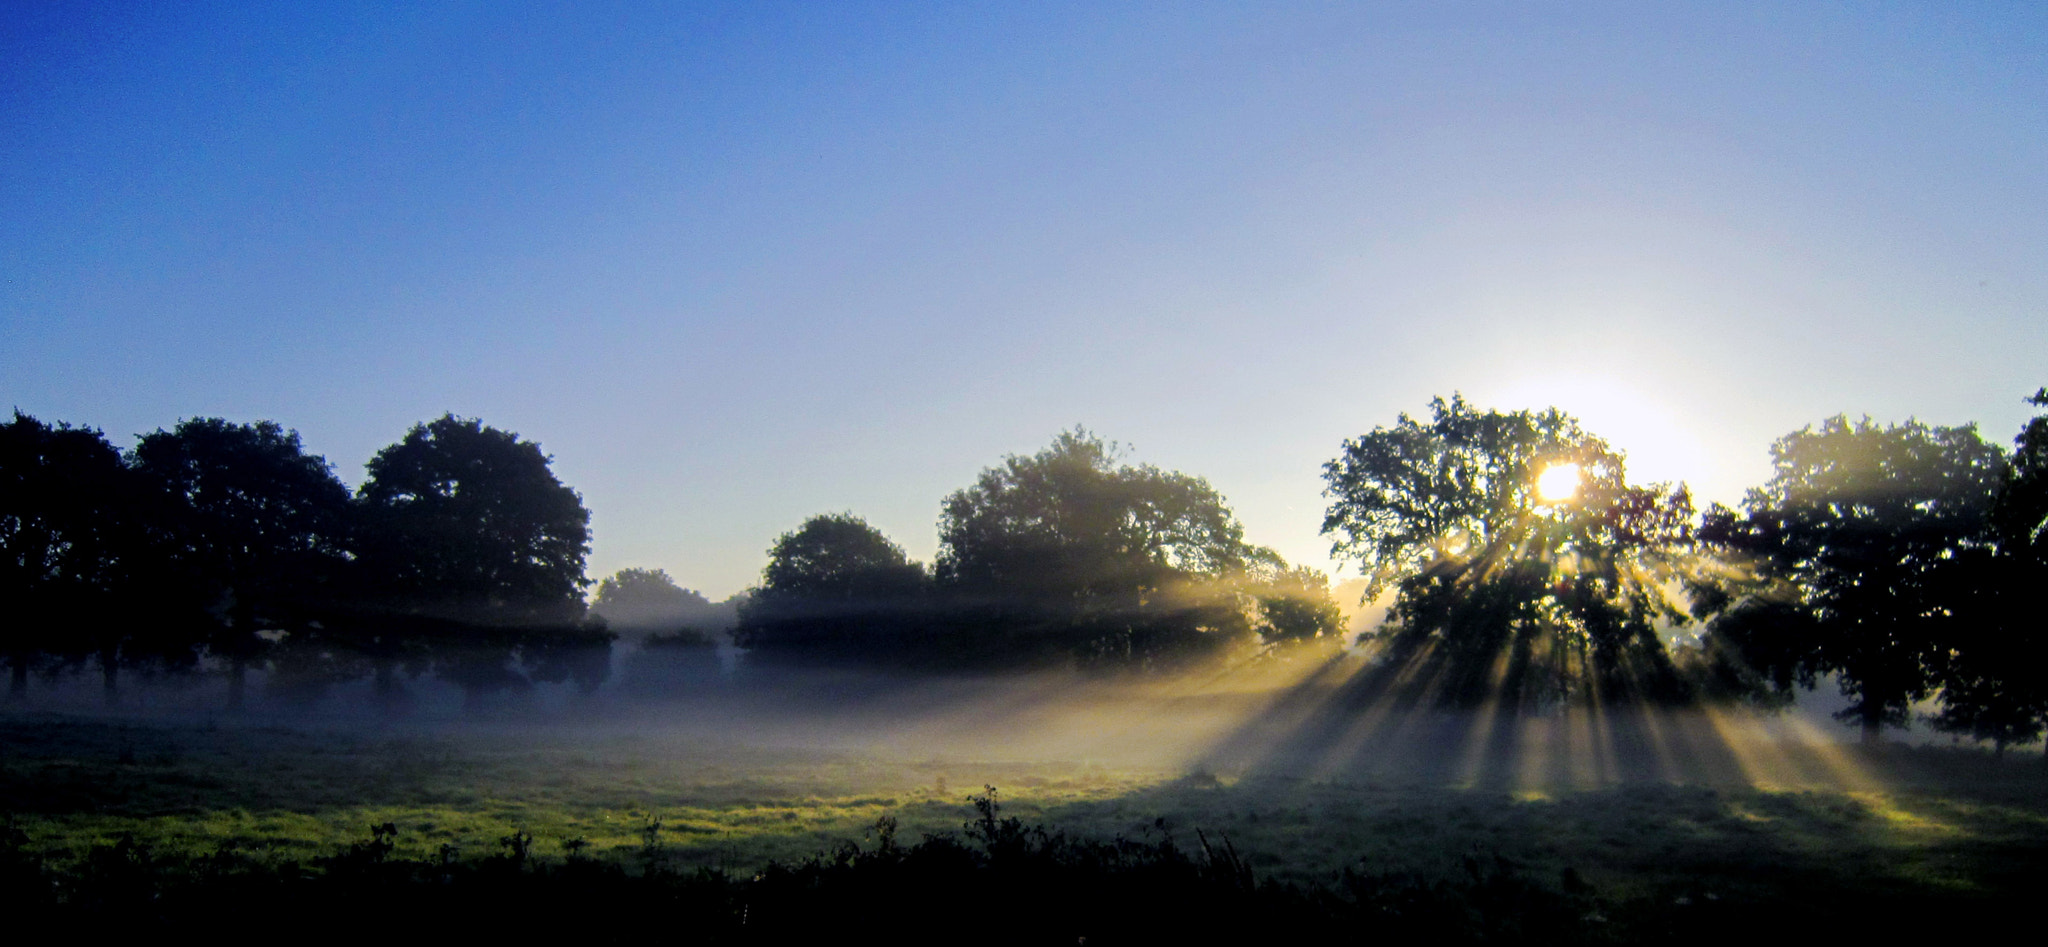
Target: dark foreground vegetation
(997,881)
(347,835)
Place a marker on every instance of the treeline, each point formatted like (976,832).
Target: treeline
(1521,569)
(1066,556)
(461,556)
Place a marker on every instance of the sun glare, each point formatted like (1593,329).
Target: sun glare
(1660,443)
(1558,483)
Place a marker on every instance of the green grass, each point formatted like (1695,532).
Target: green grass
(1950,824)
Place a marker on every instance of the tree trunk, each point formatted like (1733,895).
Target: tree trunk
(17,685)
(1873,726)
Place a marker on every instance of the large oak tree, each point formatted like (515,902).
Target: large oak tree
(476,553)
(1503,589)
(1845,562)
(467,520)
(255,529)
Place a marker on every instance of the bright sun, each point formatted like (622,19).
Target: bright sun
(1557,483)
(1658,440)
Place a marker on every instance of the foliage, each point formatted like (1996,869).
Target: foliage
(1070,521)
(255,529)
(2020,517)
(1293,603)
(68,540)
(835,586)
(838,557)
(475,553)
(463,552)
(647,600)
(1508,594)
(60,516)
(260,513)
(85,568)
(1845,562)
(465,520)
(1068,551)
(1994,684)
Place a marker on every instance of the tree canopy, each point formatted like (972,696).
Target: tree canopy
(647,600)
(258,506)
(465,519)
(1293,602)
(1071,551)
(838,557)
(1845,559)
(64,513)
(2020,517)
(1994,681)
(836,587)
(256,528)
(1524,564)
(69,540)
(1071,521)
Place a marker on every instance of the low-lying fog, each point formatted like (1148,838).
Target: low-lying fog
(1299,715)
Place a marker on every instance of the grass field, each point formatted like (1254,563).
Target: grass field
(1938,825)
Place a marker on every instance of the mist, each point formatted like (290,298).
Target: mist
(1301,712)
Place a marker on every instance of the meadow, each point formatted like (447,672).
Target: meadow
(1927,831)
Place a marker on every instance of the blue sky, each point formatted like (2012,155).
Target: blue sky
(736,264)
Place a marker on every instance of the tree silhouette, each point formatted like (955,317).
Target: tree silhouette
(1842,562)
(256,529)
(1505,592)
(835,583)
(468,521)
(1067,551)
(647,600)
(69,541)
(838,556)
(473,547)
(1994,685)
(2020,516)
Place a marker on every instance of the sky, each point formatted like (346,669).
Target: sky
(734,265)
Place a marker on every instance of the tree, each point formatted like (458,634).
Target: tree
(1994,685)
(1068,551)
(474,549)
(835,583)
(257,531)
(1843,560)
(1524,564)
(68,540)
(838,557)
(1293,603)
(2020,516)
(468,521)
(647,600)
